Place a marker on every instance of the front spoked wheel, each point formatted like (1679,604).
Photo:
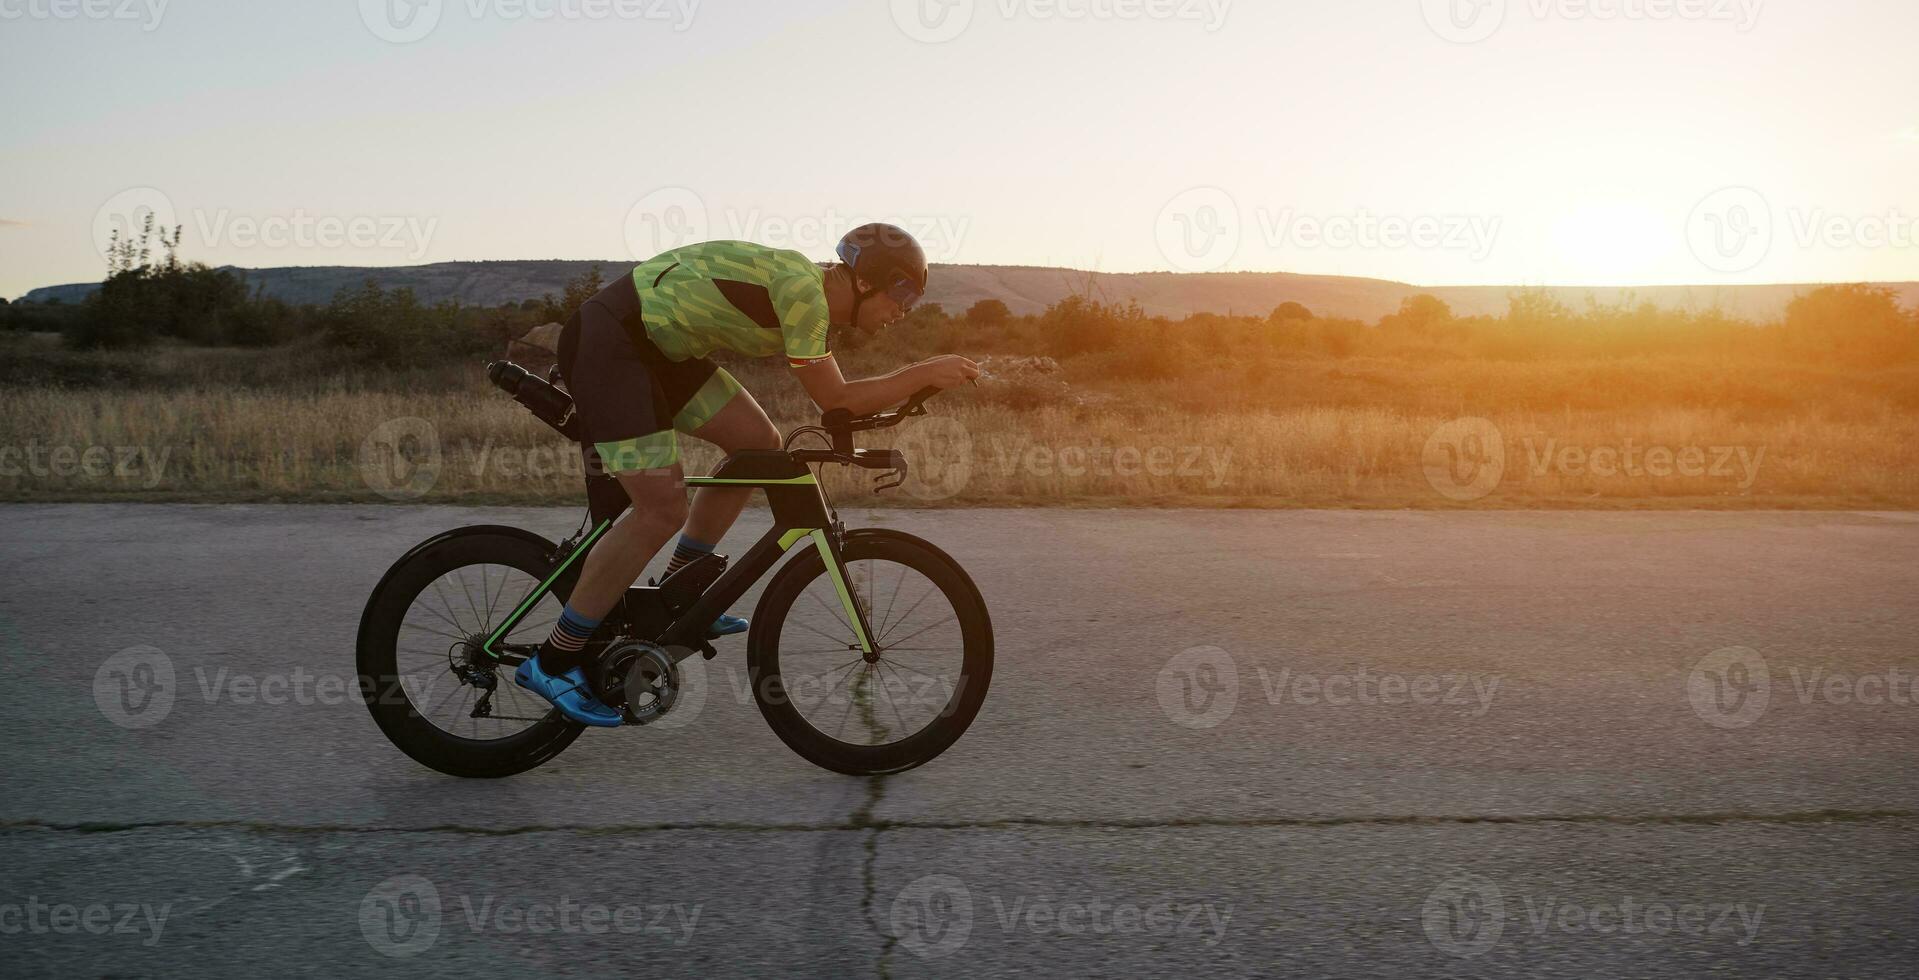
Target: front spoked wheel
(903,705)
(432,690)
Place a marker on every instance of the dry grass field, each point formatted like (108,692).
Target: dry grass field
(1270,431)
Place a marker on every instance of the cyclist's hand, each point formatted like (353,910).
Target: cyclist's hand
(948,371)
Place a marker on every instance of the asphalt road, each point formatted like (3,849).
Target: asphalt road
(1217,743)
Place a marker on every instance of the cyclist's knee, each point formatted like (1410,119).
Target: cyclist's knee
(659,497)
(760,437)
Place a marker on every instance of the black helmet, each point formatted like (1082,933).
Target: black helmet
(889,260)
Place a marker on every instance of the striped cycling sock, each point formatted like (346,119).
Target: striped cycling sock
(563,650)
(685,553)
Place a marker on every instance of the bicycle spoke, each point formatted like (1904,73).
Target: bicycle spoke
(493,597)
(851,699)
(805,626)
(453,614)
(839,615)
(890,702)
(470,604)
(917,632)
(424,629)
(443,617)
(908,614)
(897,664)
(892,599)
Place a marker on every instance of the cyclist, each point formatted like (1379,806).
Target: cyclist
(634,358)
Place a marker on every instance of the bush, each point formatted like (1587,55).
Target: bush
(988,313)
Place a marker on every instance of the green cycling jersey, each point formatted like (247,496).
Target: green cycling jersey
(737,296)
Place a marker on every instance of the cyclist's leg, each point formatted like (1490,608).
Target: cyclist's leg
(623,408)
(738,424)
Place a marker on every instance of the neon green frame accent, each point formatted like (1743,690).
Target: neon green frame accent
(795,536)
(846,594)
(520,612)
(707,481)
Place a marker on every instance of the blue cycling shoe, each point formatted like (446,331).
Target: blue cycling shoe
(726,626)
(568,692)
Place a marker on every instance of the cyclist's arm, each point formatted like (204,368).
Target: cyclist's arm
(830,390)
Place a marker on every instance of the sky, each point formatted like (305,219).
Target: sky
(1438,142)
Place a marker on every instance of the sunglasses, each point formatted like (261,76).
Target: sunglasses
(906,293)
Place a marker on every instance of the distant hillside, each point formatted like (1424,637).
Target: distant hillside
(1024,289)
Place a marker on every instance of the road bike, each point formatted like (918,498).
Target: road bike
(870,650)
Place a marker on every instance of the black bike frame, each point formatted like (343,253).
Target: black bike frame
(800,514)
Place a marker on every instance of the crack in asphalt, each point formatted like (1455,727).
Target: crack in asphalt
(863,820)
(869,872)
